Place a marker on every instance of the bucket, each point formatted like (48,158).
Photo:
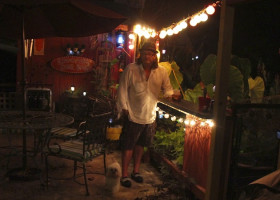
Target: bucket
(113,133)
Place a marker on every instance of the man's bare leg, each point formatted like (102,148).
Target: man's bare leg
(126,158)
(137,156)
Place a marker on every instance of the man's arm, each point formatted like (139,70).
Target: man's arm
(166,85)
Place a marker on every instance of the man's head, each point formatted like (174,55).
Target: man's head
(148,55)
(149,46)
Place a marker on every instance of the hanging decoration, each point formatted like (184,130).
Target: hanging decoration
(175,28)
(190,120)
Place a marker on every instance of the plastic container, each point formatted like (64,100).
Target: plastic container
(113,133)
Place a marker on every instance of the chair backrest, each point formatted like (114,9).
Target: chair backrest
(95,133)
(38,99)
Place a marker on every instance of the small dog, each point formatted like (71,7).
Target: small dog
(113,175)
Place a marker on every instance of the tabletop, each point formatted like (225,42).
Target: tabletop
(33,120)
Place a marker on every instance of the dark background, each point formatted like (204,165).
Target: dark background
(256,35)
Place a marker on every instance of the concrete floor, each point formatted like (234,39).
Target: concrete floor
(61,187)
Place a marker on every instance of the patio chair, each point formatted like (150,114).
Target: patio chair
(87,145)
(92,104)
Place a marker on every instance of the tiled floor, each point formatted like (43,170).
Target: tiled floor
(60,186)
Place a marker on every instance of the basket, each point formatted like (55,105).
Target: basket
(113,133)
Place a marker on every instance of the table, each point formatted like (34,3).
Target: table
(33,120)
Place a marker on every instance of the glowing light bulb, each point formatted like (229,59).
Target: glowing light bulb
(160,112)
(177,29)
(173,118)
(110,120)
(162,34)
(210,10)
(170,32)
(137,28)
(183,25)
(192,123)
(157,108)
(203,17)
(84,94)
(193,22)
(131,36)
(187,122)
(131,46)
(197,19)
(146,34)
(210,123)
(72,88)
(166,115)
(180,120)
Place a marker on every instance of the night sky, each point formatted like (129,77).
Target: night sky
(256,32)
(256,28)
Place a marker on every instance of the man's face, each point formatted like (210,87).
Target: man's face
(148,57)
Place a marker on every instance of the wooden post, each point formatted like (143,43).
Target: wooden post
(217,171)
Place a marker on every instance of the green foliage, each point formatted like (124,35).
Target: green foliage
(175,76)
(256,89)
(170,143)
(236,78)
(193,94)
(244,65)
(236,85)
(208,69)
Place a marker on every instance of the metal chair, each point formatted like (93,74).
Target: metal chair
(87,145)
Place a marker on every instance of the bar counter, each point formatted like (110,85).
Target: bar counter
(185,107)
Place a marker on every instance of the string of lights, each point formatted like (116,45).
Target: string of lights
(175,28)
(190,120)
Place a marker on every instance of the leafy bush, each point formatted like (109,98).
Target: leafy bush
(169,141)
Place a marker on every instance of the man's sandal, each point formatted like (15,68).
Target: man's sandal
(137,177)
(125,182)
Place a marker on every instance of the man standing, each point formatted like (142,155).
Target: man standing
(139,88)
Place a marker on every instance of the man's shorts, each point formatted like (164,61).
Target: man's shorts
(137,134)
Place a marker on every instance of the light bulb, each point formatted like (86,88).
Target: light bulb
(137,28)
(203,17)
(72,88)
(153,34)
(183,25)
(210,10)
(162,34)
(192,123)
(170,32)
(131,36)
(180,120)
(193,22)
(147,35)
(84,94)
